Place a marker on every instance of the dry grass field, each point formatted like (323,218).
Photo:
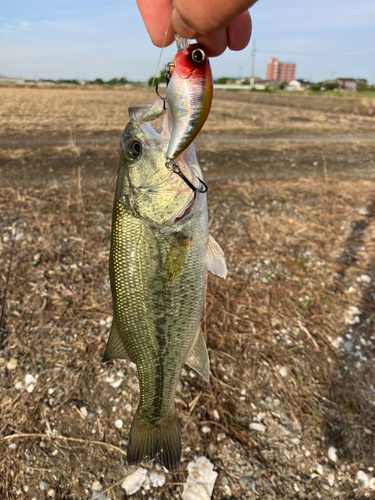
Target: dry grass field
(291,332)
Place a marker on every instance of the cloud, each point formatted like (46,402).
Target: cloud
(14,27)
(67,25)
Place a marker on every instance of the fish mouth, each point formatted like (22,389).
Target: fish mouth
(186,211)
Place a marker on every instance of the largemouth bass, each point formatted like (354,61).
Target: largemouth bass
(160,248)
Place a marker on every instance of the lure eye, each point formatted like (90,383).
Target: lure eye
(135,149)
(198,56)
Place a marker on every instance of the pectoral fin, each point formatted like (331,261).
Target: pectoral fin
(198,358)
(146,112)
(115,348)
(215,260)
(177,257)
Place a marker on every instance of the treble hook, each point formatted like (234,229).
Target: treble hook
(171,165)
(168,76)
(164,99)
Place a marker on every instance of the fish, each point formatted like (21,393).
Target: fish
(160,248)
(189,97)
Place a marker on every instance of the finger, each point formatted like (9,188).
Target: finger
(214,44)
(155,15)
(239,32)
(181,28)
(208,16)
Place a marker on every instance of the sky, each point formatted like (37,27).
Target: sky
(88,39)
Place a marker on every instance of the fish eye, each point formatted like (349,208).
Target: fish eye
(135,149)
(198,56)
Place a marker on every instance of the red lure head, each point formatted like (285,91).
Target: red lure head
(192,61)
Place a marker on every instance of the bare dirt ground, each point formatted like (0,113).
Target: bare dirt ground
(291,332)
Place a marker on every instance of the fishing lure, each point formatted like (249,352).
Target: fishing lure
(189,95)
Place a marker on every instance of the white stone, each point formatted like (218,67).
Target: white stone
(128,407)
(331,480)
(332,454)
(30,388)
(319,469)
(156,478)
(84,411)
(283,371)
(362,478)
(12,364)
(257,427)
(13,446)
(119,423)
(206,429)
(365,278)
(96,485)
(116,383)
(221,436)
(364,211)
(200,481)
(216,415)
(335,343)
(43,485)
(30,379)
(134,481)
(353,311)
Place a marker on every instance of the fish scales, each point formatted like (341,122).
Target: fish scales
(158,258)
(154,316)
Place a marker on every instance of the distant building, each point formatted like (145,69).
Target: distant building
(8,79)
(240,81)
(280,71)
(293,85)
(305,84)
(350,84)
(297,85)
(344,84)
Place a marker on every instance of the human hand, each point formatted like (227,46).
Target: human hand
(216,24)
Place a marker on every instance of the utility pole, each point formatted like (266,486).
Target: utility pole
(252,64)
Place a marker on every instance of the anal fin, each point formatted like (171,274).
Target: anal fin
(198,358)
(115,348)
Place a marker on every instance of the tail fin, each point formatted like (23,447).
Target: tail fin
(148,440)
